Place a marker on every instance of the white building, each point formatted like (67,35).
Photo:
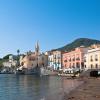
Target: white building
(50,61)
(55,60)
(11,62)
(92,58)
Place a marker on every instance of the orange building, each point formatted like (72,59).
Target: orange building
(74,59)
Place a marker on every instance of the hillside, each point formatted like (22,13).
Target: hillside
(79,42)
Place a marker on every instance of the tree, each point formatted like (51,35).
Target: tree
(6,57)
(1,64)
(18,57)
(18,51)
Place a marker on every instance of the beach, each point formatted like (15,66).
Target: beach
(89,90)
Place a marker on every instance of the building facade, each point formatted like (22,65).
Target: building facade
(50,61)
(12,62)
(92,58)
(34,59)
(55,60)
(74,59)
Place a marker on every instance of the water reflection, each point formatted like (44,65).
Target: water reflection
(28,87)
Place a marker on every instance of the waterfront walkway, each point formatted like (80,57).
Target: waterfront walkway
(90,90)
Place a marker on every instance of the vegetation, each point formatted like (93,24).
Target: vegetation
(1,64)
(6,57)
(79,42)
(18,51)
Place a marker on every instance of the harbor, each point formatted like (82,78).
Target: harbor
(49,49)
(29,87)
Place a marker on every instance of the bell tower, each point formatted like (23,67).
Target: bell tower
(37,48)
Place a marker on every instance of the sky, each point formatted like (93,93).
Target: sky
(54,23)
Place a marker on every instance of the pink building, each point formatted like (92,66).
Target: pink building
(74,59)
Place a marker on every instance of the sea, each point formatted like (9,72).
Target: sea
(31,87)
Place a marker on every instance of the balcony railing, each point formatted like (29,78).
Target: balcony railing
(78,58)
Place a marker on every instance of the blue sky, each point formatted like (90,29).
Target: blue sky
(54,23)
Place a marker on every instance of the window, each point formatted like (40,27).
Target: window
(74,59)
(82,64)
(77,65)
(96,57)
(84,59)
(65,60)
(73,65)
(70,59)
(58,56)
(96,66)
(58,62)
(91,59)
(54,56)
(91,66)
(70,65)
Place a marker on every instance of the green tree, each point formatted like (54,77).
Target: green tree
(1,64)
(6,57)
(18,57)
(18,52)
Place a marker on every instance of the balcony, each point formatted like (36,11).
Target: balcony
(78,58)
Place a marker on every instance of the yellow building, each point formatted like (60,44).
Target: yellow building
(33,59)
(92,57)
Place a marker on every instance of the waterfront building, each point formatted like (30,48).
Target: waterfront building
(55,60)
(50,61)
(74,59)
(34,59)
(11,62)
(92,57)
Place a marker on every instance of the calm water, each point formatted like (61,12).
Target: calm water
(28,87)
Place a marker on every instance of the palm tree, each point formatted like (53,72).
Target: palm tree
(18,51)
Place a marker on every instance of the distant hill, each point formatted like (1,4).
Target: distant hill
(79,42)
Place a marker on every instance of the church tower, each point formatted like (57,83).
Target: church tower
(37,48)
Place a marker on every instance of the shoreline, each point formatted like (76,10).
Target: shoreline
(88,90)
(60,95)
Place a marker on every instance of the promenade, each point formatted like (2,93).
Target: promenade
(89,90)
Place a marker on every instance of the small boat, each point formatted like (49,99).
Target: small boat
(19,72)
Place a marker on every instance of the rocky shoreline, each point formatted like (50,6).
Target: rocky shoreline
(89,90)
